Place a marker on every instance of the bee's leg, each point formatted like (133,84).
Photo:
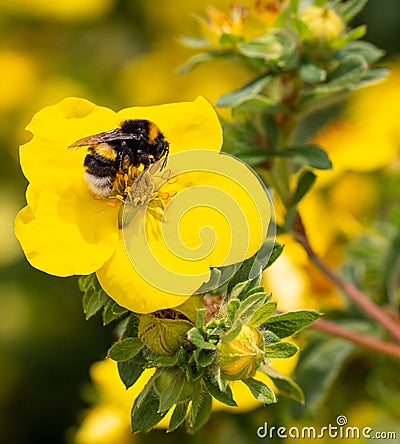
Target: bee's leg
(143,158)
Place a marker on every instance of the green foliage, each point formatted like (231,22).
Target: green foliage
(96,299)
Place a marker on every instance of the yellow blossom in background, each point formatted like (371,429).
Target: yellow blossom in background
(65,10)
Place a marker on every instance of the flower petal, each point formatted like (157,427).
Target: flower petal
(127,287)
(65,231)
(186,125)
(46,157)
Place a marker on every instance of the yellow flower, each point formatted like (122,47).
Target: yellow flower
(155,248)
(64,230)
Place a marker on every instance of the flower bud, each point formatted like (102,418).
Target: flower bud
(324,23)
(168,377)
(240,358)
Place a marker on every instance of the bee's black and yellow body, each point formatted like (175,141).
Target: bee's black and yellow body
(134,143)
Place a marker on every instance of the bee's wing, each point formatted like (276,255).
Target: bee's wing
(107,136)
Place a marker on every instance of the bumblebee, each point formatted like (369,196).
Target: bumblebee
(135,143)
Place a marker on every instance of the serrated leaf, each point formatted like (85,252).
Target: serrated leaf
(304,184)
(287,324)
(196,337)
(308,155)
(262,314)
(231,334)
(130,371)
(225,396)
(247,91)
(260,391)
(125,349)
(112,311)
(200,410)
(178,416)
(280,350)
(249,305)
(146,416)
(200,58)
(318,368)
(172,392)
(284,384)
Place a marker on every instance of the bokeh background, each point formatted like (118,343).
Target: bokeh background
(120,53)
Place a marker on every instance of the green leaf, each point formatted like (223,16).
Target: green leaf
(350,69)
(259,104)
(276,252)
(172,392)
(370,52)
(165,361)
(225,396)
(192,42)
(145,416)
(200,410)
(196,337)
(212,283)
(249,305)
(266,47)
(260,391)
(200,58)
(310,73)
(299,27)
(231,334)
(239,290)
(204,357)
(258,289)
(94,297)
(281,350)
(178,416)
(284,384)
(269,337)
(125,349)
(372,75)
(130,371)
(305,182)
(112,311)
(308,155)
(354,34)
(318,368)
(262,314)
(251,154)
(247,91)
(231,308)
(230,39)
(349,9)
(200,316)
(286,324)
(253,267)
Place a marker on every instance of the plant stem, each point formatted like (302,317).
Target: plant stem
(387,348)
(356,295)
